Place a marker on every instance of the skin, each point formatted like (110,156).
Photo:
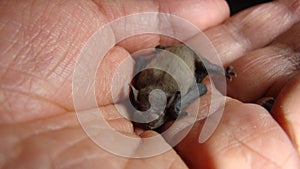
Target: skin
(41,39)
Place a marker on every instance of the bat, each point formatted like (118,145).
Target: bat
(156,95)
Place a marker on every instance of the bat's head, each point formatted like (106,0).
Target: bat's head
(150,107)
(140,98)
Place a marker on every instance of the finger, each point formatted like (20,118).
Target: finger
(286,110)
(251,29)
(265,71)
(202,14)
(169,159)
(246,137)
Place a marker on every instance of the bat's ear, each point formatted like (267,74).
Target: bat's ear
(134,92)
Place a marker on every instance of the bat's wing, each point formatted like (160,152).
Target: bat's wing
(205,67)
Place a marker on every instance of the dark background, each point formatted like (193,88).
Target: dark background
(238,5)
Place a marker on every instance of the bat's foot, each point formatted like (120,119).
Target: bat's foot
(182,114)
(266,102)
(178,114)
(193,93)
(230,73)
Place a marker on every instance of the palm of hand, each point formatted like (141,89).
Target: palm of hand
(39,127)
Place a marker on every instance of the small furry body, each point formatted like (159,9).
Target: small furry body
(172,64)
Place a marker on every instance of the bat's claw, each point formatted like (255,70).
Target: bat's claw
(230,73)
(160,47)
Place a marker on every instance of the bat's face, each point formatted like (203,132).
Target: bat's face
(150,107)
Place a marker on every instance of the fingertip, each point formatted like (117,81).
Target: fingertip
(203,14)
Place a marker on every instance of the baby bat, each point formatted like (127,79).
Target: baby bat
(154,109)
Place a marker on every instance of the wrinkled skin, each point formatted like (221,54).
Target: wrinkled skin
(40,41)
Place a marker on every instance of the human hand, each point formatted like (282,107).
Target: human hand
(40,42)
(262,43)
